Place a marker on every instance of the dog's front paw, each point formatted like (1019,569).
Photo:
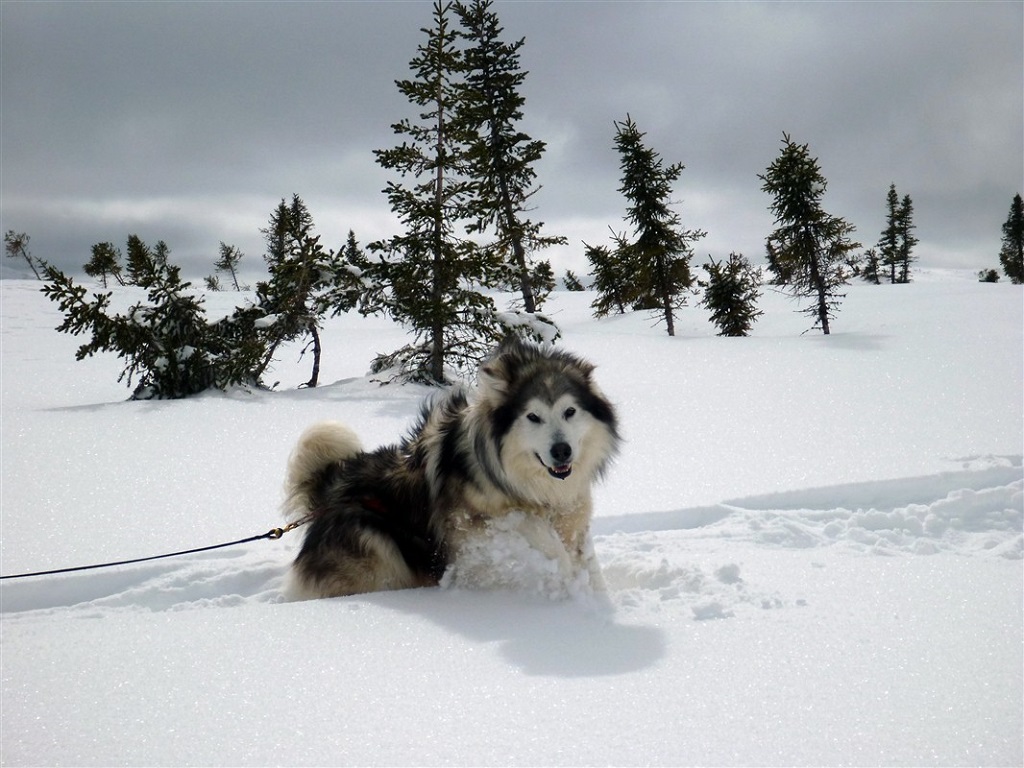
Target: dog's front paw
(516,552)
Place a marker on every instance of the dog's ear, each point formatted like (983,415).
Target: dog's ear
(507,363)
(497,371)
(491,376)
(582,366)
(573,365)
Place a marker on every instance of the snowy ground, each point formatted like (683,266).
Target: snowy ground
(813,547)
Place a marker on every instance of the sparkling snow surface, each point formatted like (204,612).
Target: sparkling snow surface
(813,550)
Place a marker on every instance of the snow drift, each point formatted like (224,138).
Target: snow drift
(812,545)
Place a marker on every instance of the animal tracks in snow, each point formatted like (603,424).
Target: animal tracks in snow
(693,559)
(706,563)
(187,582)
(977,508)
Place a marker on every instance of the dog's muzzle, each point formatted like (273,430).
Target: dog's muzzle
(561,455)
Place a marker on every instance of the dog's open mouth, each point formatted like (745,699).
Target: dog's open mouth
(561,472)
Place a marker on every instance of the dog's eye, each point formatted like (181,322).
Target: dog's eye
(569,413)
(534,418)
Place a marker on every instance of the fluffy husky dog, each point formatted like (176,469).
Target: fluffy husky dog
(524,447)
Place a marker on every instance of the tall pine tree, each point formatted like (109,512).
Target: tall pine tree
(896,245)
(427,277)
(889,243)
(661,251)
(906,226)
(809,247)
(501,157)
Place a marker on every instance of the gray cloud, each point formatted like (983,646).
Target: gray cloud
(188,121)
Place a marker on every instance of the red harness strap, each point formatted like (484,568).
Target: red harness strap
(373,504)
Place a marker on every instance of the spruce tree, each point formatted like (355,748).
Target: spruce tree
(427,277)
(869,272)
(287,220)
(808,249)
(542,276)
(161,254)
(907,239)
(353,254)
(140,263)
(573,283)
(105,261)
(16,247)
(896,244)
(1011,254)
(661,250)
(170,348)
(612,279)
(348,287)
(889,243)
(306,281)
(228,262)
(731,293)
(501,157)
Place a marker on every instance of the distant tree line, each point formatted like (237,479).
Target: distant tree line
(465,173)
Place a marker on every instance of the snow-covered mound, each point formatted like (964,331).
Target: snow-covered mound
(812,549)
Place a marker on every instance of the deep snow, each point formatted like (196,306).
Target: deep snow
(813,549)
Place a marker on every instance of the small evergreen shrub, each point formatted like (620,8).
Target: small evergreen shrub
(731,293)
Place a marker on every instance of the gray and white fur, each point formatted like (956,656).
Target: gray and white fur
(529,440)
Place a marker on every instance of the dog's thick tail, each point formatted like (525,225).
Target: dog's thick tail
(318,448)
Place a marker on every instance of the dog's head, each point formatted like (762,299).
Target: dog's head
(551,423)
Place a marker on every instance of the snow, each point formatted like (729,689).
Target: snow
(812,545)
(520,553)
(266,321)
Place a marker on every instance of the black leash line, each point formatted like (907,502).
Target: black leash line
(273,533)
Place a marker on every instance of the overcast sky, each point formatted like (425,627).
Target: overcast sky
(189,121)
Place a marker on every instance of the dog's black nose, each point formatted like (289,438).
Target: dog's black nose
(561,452)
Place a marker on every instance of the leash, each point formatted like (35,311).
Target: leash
(273,533)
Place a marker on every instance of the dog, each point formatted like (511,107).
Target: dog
(517,454)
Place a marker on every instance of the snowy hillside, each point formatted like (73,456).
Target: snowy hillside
(813,547)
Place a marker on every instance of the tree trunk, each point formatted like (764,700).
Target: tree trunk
(515,236)
(822,293)
(437,285)
(315,375)
(31,265)
(669,320)
(666,296)
(525,282)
